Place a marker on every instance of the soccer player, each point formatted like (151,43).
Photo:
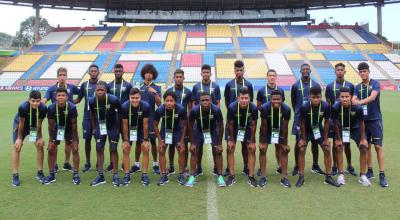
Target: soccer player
(206,85)
(120,89)
(135,115)
(51,95)
(367,94)
(242,123)
(314,126)
(183,95)
(231,93)
(206,126)
(151,93)
(300,94)
(87,91)
(28,121)
(275,117)
(332,96)
(348,124)
(263,96)
(104,109)
(172,134)
(62,120)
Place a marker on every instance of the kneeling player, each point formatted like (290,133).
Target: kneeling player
(62,118)
(311,114)
(348,123)
(274,130)
(28,121)
(172,134)
(135,115)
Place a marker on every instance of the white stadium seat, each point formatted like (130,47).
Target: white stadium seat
(258,32)
(196,41)
(353,36)
(76,70)
(277,61)
(95,33)
(215,40)
(395,58)
(159,36)
(146,57)
(192,74)
(56,38)
(9,78)
(323,41)
(335,34)
(390,68)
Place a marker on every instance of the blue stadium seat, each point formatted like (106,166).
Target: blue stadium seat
(45,67)
(378,57)
(153,46)
(366,36)
(161,66)
(45,48)
(299,31)
(34,67)
(222,47)
(251,43)
(113,61)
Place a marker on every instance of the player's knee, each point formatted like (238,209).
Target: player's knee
(363,149)
(302,149)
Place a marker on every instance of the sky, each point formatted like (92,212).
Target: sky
(12,16)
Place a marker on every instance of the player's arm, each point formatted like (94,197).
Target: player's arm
(253,131)
(40,135)
(93,119)
(21,126)
(146,128)
(370,98)
(293,95)
(125,129)
(191,125)
(51,127)
(217,93)
(226,95)
(263,131)
(220,125)
(326,129)
(81,94)
(184,128)
(158,135)
(75,137)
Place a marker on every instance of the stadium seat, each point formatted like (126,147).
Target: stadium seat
(57,38)
(9,78)
(192,60)
(22,63)
(251,44)
(278,62)
(279,44)
(86,43)
(254,68)
(129,66)
(218,31)
(389,68)
(258,32)
(304,44)
(77,57)
(120,33)
(395,58)
(76,70)
(140,33)
(352,36)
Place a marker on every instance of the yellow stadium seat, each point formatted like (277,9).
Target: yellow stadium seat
(195,47)
(108,77)
(304,44)
(238,32)
(351,74)
(85,78)
(183,41)
(170,42)
(293,56)
(77,57)
(254,68)
(218,31)
(224,68)
(22,63)
(189,85)
(348,47)
(279,44)
(140,33)
(398,65)
(120,33)
(379,48)
(86,43)
(315,56)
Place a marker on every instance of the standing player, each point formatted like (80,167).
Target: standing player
(28,121)
(104,108)
(242,123)
(206,85)
(300,94)
(275,117)
(51,95)
(367,94)
(172,133)
(231,93)
(206,126)
(183,96)
(263,96)
(348,124)
(312,128)
(135,115)
(332,96)
(151,93)
(120,89)
(62,119)
(87,91)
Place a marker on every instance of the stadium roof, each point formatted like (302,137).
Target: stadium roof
(194,5)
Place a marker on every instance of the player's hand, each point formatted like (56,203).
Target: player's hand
(302,143)
(231,145)
(18,145)
(262,146)
(285,148)
(219,149)
(125,145)
(252,146)
(151,90)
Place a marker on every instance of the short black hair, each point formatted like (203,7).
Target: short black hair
(62,89)
(149,68)
(118,66)
(315,90)
(340,64)
(304,64)
(95,66)
(271,71)
(101,83)
(170,93)
(276,92)
(243,91)
(205,67)
(344,89)
(134,91)
(34,94)
(179,71)
(363,66)
(204,93)
(238,64)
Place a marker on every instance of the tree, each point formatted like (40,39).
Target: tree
(5,40)
(26,34)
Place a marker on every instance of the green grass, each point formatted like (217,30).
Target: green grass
(63,200)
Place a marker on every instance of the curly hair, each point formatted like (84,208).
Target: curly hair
(149,68)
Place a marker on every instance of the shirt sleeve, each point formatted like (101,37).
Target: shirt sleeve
(293,92)
(47,95)
(22,112)
(50,113)
(158,114)
(193,94)
(263,112)
(192,115)
(42,111)
(376,87)
(146,112)
(217,93)
(75,90)
(287,114)
(82,91)
(328,96)
(356,91)
(226,91)
(254,114)
(260,95)
(231,114)
(74,112)
(283,95)
(218,116)
(327,111)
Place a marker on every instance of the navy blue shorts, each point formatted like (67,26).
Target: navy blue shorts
(112,134)
(374,131)
(296,126)
(310,137)
(354,135)
(235,131)
(152,134)
(15,131)
(87,129)
(281,139)
(199,139)
(67,138)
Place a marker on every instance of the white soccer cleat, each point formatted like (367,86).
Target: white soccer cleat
(364,181)
(341,180)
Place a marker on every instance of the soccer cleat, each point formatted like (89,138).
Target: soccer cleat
(382,180)
(163,180)
(109,168)
(221,181)
(134,169)
(259,172)
(230,181)
(245,171)
(252,181)
(262,182)
(215,172)
(300,181)
(295,171)
(350,170)
(278,170)
(127,179)
(199,171)
(316,169)
(285,182)
(171,170)
(116,180)
(191,181)
(145,179)
(334,171)
(186,173)
(67,167)
(76,179)
(56,168)
(364,180)
(86,167)
(341,180)
(98,181)
(330,181)
(40,176)
(181,179)
(15,180)
(226,173)
(51,178)
(370,173)
(156,169)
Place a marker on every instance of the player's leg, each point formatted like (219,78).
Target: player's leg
(301,163)
(315,155)
(251,153)
(51,160)
(278,158)
(113,142)
(145,162)
(171,156)
(87,135)
(67,150)
(75,157)
(138,150)
(328,165)
(283,159)
(245,159)
(163,164)
(100,144)
(181,161)
(347,151)
(154,152)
